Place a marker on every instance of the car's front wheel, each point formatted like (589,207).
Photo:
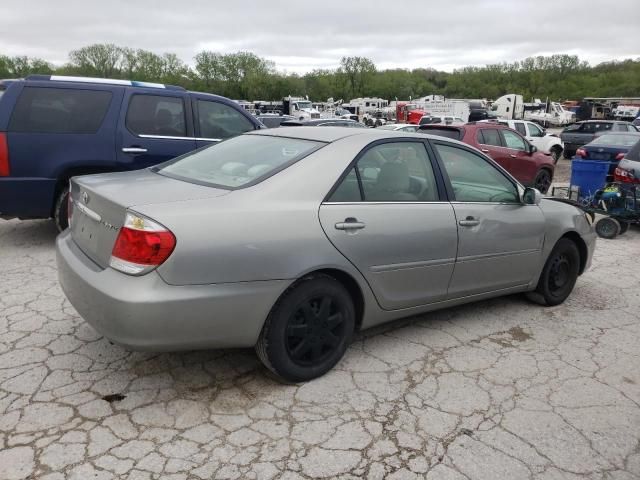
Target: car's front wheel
(543,180)
(559,274)
(308,330)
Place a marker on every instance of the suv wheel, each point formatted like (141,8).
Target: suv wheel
(556,153)
(61,210)
(559,274)
(308,330)
(543,180)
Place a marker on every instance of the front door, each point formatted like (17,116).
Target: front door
(499,238)
(388,218)
(154,127)
(522,165)
(216,121)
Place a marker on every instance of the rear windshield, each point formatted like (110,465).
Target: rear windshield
(453,133)
(617,140)
(239,161)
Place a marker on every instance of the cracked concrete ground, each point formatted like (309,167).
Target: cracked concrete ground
(501,389)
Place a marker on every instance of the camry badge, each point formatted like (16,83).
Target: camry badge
(85,197)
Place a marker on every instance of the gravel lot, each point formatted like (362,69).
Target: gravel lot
(496,390)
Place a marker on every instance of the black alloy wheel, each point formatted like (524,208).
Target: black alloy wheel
(559,274)
(308,329)
(543,180)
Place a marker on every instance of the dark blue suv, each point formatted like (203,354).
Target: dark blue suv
(54,127)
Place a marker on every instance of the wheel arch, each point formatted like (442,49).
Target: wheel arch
(347,281)
(582,248)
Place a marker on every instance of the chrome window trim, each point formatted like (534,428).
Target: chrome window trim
(165,137)
(386,203)
(205,139)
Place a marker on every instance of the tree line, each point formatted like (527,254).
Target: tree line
(244,75)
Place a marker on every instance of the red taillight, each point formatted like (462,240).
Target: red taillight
(581,152)
(4,155)
(624,176)
(620,156)
(142,245)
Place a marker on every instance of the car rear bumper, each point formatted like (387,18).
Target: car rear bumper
(145,313)
(26,197)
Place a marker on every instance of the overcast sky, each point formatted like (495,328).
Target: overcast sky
(300,35)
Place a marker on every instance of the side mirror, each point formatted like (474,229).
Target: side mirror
(532,149)
(531,196)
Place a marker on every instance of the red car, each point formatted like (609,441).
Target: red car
(507,147)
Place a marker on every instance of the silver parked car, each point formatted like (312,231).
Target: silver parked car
(291,239)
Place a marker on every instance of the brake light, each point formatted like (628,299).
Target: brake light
(581,152)
(620,156)
(4,155)
(624,176)
(141,246)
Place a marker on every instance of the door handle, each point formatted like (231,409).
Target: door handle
(513,156)
(484,150)
(350,224)
(469,222)
(134,150)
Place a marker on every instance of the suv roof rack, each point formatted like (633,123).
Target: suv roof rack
(106,81)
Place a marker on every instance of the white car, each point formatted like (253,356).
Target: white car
(545,142)
(399,127)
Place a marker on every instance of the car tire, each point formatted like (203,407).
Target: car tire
(624,226)
(556,154)
(559,274)
(61,210)
(308,329)
(608,228)
(543,180)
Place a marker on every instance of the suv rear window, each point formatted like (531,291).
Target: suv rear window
(156,115)
(454,133)
(239,161)
(59,110)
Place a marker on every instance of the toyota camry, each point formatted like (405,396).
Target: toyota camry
(290,240)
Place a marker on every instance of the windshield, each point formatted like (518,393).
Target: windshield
(617,140)
(239,161)
(302,105)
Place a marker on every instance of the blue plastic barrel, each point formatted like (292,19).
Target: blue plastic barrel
(589,175)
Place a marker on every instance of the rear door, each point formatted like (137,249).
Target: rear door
(389,218)
(155,125)
(499,239)
(216,120)
(490,142)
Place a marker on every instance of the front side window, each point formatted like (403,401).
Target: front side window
(520,128)
(156,115)
(239,161)
(489,136)
(513,140)
(534,130)
(59,110)
(219,121)
(474,179)
(390,172)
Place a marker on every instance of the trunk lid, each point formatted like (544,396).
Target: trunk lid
(602,153)
(100,203)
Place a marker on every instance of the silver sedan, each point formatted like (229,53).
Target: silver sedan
(290,240)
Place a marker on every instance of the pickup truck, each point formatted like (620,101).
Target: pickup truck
(547,143)
(581,133)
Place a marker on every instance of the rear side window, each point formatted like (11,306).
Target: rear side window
(59,110)
(489,136)
(240,161)
(219,121)
(520,128)
(156,115)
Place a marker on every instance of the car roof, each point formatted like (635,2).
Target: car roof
(331,134)
(635,134)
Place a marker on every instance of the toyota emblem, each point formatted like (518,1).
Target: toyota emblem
(85,197)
